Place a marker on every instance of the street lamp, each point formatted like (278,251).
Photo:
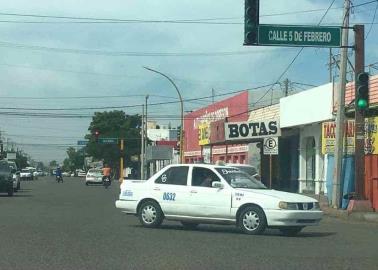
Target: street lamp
(182,110)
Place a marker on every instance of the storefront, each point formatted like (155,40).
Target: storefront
(204,132)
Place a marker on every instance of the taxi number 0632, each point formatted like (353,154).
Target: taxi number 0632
(168,196)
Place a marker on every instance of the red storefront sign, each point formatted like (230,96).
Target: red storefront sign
(234,108)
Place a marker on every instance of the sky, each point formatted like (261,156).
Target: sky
(59,58)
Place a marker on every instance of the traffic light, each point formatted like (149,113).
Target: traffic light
(362,91)
(178,133)
(96,134)
(251,22)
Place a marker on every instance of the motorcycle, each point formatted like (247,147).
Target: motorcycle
(106,181)
(59,178)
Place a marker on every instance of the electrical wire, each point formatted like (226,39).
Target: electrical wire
(372,22)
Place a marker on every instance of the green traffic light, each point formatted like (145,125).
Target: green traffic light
(362,104)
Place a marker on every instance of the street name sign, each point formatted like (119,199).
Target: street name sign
(108,140)
(297,35)
(83,142)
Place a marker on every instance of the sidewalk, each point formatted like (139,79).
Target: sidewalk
(344,214)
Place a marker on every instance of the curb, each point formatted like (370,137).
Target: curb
(371,217)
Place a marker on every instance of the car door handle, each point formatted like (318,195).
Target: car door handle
(157,189)
(193,191)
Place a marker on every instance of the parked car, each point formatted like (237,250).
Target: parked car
(200,193)
(81,173)
(249,169)
(26,174)
(35,175)
(66,174)
(16,175)
(6,178)
(94,176)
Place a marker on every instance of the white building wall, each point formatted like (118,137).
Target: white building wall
(307,107)
(308,131)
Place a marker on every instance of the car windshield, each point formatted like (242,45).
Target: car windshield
(239,179)
(247,169)
(25,171)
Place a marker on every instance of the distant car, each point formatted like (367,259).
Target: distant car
(26,174)
(72,174)
(66,174)
(81,173)
(35,175)
(6,178)
(40,173)
(16,175)
(248,169)
(94,176)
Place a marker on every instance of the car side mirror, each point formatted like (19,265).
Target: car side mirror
(217,184)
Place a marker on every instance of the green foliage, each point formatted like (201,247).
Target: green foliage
(114,124)
(74,161)
(53,164)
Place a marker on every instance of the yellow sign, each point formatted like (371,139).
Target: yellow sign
(371,137)
(204,134)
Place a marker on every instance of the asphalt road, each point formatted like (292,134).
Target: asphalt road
(71,226)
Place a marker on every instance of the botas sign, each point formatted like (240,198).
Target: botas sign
(252,130)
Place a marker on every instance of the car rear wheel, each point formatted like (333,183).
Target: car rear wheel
(150,214)
(291,231)
(189,225)
(252,220)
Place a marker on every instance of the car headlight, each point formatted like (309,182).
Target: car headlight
(288,206)
(316,206)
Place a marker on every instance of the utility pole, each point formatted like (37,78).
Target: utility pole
(121,161)
(330,64)
(286,82)
(340,117)
(146,141)
(142,145)
(359,156)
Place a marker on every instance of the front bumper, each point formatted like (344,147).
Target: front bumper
(293,217)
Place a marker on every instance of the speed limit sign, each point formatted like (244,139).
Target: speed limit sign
(271,146)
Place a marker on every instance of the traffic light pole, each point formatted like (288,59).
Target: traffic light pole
(359,114)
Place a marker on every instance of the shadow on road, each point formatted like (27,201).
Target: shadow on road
(234,230)
(15,195)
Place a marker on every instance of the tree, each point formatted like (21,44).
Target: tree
(53,164)
(115,124)
(75,159)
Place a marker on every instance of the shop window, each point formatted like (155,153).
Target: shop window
(310,163)
(242,159)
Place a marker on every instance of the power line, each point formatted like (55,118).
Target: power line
(372,22)
(129,106)
(120,53)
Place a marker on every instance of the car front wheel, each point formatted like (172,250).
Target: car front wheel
(291,231)
(252,220)
(150,214)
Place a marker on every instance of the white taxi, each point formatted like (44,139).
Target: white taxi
(200,193)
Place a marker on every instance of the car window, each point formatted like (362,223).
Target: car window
(174,176)
(239,179)
(203,177)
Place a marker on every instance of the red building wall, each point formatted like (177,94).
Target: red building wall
(235,108)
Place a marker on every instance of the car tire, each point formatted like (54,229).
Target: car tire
(291,231)
(86,183)
(252,220)
(10,192)
(150,214)
(189,225)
